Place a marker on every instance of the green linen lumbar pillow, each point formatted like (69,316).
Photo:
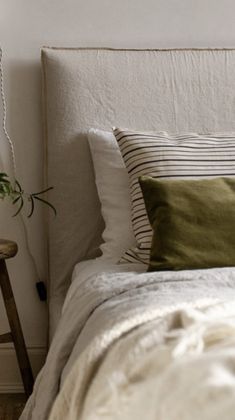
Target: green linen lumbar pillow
(193,222)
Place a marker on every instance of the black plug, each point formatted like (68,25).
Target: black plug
(42,291)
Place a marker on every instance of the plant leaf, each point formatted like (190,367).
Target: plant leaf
(20,208)
(16,194)
(43,191)
(18,185)
(16,199)
(47,203)
(3,176)
(32,206)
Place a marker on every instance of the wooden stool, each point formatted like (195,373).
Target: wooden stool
(8,249)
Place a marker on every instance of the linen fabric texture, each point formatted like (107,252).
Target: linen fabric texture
(175,90)
(164,156)
(193,222)
(112,183)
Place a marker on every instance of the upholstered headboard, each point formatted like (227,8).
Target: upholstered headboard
(174,90)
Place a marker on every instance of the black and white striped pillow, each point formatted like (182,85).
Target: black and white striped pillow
(161,155)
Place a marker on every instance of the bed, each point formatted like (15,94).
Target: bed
(113,321)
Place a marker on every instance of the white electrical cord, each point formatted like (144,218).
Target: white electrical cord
(4,116)
(13,159)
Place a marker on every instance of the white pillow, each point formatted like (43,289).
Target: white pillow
(112,183)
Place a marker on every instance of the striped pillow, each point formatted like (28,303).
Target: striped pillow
(160,155)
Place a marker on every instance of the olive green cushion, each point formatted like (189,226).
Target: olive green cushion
(193,222)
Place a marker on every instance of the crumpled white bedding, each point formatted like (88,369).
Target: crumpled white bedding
(132,345)
(177,367)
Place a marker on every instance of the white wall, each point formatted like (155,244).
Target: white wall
(26,25)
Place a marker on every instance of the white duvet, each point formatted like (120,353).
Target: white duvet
(142,346)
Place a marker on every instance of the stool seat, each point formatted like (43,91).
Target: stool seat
(8,249)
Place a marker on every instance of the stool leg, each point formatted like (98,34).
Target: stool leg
(16,330)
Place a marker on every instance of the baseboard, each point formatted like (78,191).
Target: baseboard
(10,379)
(9,388)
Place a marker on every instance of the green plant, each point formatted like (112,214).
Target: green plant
(14,192)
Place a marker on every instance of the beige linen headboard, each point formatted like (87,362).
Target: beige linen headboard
(174,90)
